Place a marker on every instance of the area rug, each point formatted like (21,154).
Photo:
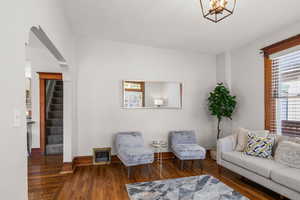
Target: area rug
(203,187)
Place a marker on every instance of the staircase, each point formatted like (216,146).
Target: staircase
(54,122)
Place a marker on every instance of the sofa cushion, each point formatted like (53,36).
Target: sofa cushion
(289,177)
(136,155)
(288,153)
(260,166)
(281,138)
(130,140)
(242,137)
(189,151)
(182,137)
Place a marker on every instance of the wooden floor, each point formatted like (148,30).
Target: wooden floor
(108,182)
(44,179)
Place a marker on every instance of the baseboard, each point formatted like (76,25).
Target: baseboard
(165,155)
(79,161)
(82,161)
(67,168)
(208,154)
(36,152)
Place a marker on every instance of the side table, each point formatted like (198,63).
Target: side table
(158,147)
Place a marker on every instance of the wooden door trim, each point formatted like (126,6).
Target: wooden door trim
(268,92)
(43,77)
(282,45)
(50,76)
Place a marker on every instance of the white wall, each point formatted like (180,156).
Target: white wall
(223,75)
(102,65)
(13,168)
(16,18)
(247,71)
(221,68)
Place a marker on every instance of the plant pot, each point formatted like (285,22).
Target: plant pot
(213,154)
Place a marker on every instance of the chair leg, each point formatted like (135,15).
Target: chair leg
(181,164)
(148,168)
(201,165)
(128,172)
(192,167)
(219,169)
(281,197)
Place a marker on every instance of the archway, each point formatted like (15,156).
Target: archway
(43,58)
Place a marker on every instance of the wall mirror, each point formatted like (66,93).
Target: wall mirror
(152,94)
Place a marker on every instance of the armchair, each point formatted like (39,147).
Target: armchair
(131,150)
(184,145)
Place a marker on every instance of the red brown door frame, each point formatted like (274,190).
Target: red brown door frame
(43,77)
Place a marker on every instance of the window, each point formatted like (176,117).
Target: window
(286,92)
(134,94)
(282,87)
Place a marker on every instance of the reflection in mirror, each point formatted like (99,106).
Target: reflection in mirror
(152,94)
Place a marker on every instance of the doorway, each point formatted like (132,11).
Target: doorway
(51,113)
(45,89)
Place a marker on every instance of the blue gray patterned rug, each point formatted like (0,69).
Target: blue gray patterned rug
(189,188)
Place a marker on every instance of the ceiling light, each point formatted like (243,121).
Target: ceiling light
(217,10)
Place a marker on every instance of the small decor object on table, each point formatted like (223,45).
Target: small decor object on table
(101,156)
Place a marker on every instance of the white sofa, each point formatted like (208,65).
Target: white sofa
(267,172)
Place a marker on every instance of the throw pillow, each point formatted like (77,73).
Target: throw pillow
(259,146)
(242,138)
(288,153)
(261,133)
(295,140)
(281,138)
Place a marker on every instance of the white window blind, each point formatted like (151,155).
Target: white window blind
(286,94)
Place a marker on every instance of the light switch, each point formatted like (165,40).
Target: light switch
(16,118)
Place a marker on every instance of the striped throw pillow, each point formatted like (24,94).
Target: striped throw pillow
(259,146)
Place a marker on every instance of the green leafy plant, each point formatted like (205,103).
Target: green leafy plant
(221,104)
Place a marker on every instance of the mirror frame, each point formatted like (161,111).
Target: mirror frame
(162,108)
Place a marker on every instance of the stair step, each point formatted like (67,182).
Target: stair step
(58,94)
(59,88)
(55,115)
(54,130)
(59,82)
(55,139)
(54,149)
(57,100)
(54,122)
(56,107)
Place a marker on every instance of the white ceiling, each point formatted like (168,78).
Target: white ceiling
(179,24)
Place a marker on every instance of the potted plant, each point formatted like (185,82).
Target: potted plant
(222,105)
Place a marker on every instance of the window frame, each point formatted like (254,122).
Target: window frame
(269,101)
